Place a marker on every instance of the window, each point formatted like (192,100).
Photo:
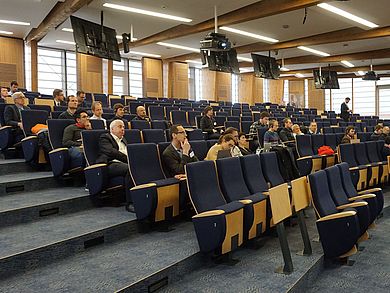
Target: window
(135,78)
(363,97)
(120,78)
(306,93)
(27,67)
(286,97)
(339,95)
(198,84)
(51,70)
(265,90)
(327,100)
(235,98)
(71,73)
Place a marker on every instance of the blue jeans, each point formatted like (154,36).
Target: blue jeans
(76,157)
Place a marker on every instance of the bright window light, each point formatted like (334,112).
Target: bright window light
(299,75)
(146,12)
(66,29)
(346,63)
(145,54)
(66,42)
(14,22)
(348,15)
(248,34)
(193,61)
(6,33)
(179,47)
(314,51)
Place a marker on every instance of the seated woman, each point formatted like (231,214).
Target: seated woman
(271,136)
(349,134)
(243,144)
(225,142)
(296,130)
(207,123)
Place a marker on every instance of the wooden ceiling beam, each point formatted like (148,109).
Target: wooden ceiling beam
(250,12)
(57,15)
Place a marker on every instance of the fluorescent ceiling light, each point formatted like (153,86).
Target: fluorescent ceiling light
(6,33)
(246,69)
(245,59)
(361,72)
(248,34)
(348,15)
(346,63)
(14,22)
(193,61)
(145,54)
(179,47)
(299,75)
(146,12)
(66,42)
(66,29)
(314,51)
(284,69)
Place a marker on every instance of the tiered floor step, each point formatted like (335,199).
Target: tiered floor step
(13,166)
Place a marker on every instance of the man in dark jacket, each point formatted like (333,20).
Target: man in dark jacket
(178,153)
(113,152)
(119,111)
(72,107)
(59,98)
(13,117)
(207,123)
(345,111)
(286,134)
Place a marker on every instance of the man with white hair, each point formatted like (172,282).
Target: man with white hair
(113,152)
(13,116)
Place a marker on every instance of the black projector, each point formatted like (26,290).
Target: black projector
(215,42)
(371,75)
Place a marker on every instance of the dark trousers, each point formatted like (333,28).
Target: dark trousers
(121,169)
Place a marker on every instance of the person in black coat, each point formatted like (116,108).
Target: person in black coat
(286,133)
(13,117)
(59,98)
(178,153)
(113,152)
(207,123)
(345,111)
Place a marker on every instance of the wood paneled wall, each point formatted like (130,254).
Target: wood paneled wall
(11,61)
(178,80)
(297,92)
(276,91)
(152,77)
(250,89)
(316,97)
(209,79)
(89,73)
(223,87)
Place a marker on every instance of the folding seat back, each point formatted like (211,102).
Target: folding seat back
(133,136)
(133,106)
(161,148)
(220,120)
(200,148)
(195,134)
(317,141)
(234,124)
(191,117)
(347,154)
(336,186)
(2,108)
(139,124)
(156,113)
(60,108)
(153,136)
(41,107)
(331,141)
(380,144)
(233,118)
(253,173)
(101,98)
(32,117)
(372,152)
(245,126)
(97,124)
(159,124)
(107,115)
(270,167)
(360,153)
(91,144)
(246,118)
(260,135)
(168,110)
(364,136)
(370,129)
(211,142)
(144,163)
(179,117)
(56,130)
(221,113)
(304,147)
(326,130)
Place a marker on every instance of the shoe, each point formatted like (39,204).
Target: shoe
(130,208)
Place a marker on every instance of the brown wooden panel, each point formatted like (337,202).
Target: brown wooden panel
(12,57)
(209,84)
(276,91)
(90,73)
(152,69)
(245,88)
(297,93)
(316,97)
(178,80)
(223,86)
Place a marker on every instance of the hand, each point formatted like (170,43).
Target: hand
(20,125)
(185,146)
(180,176)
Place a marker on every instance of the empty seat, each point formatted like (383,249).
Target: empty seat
(270,167)
(195,134)
(133,136)
(362,159)
(139,124)
(253,173)
(308,162)
(153,136)
(179,117)
(234,124)
(374,158)
(191,117)
(331,141)
(245,126)
(156,113)
(97,124)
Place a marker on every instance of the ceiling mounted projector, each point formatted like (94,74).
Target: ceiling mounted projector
(215,42)
(371,75)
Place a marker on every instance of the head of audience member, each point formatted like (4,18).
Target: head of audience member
(80,97)
(296,129)
(88,125)
(4,92)
(14,86)
(226,141)
(242,141)
(287,123)
(97,109)
(72,103)
(264,118)
(350,131)
(58,95)
(273,125)
(82,119)
(119,110)
(378,129)
(386,130)
(347,99)
(117,128)
(234,132)
(141,112)
(208,111)
(313,127)
(178,135)
(18,99)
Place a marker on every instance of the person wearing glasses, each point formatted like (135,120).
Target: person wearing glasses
(349,135)
(178,153)
(71,138)
(225,142)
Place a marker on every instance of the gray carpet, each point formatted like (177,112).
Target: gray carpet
(24,176)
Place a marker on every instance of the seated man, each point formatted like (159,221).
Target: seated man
(113,152)
(13,117)
(271,136)
(141,114)
(262,122)
(207,123)
(72,137)
(378,133)
(97,110)
(313,128)
(178,153)
(119,111)
(13,87)
(72,107)
(59,98)
(4,94)
(81,103)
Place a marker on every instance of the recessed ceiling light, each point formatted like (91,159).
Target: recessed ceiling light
(6,33)
(299,75)
(146,12)
(66,29)
(66,42)
(14,22)
(145,54)
(248,34)
(346,63)
(244,59)
(348,15)
(179,47)
(193,61)
(314,51)
(284,69)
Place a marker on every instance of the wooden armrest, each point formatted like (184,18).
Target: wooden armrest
(306,157)
(209,213)
(95,166)
(245,201)
(5,127)
(369,190)
(364,196)
(29,137)
(58,150)
(353,168)
(352,205)
(337,216)
(143,186)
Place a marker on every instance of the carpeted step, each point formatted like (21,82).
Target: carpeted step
(14,166)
